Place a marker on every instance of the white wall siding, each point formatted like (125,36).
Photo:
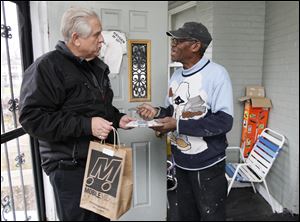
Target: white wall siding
(204,12)
(238,33)
(188,15)
(281,80)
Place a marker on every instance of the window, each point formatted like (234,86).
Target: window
(18,172)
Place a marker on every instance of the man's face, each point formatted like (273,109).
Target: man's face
(90,46)
(181,50)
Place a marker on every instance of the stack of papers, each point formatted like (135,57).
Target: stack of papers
(144,123)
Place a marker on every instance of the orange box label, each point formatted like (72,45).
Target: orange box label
(254,121)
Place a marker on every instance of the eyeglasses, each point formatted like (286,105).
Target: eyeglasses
(176,41)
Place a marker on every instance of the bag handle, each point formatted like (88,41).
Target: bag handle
(116,135)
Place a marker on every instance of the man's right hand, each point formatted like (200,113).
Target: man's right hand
(146,111)
(101,127)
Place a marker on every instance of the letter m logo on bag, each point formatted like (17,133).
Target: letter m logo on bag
(104,173)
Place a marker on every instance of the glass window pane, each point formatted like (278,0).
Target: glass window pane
(18,199)
(11,66)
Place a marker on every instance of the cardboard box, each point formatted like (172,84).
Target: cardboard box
(255,119)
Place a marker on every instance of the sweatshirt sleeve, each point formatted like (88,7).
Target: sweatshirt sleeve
(42,94)
(164,112)
(212,124)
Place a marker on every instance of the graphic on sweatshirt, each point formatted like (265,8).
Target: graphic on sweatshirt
(188,104)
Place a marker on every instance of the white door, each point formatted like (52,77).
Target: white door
(139,21)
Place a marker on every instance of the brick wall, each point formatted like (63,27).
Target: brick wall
(238,32)
(281,80)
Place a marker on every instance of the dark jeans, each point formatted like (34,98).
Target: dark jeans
(201,195)
(67,186)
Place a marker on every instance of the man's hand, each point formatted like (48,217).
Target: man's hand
(169,124)
(124,120)
(101,127)
(146,111)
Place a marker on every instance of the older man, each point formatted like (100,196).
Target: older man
(66,101)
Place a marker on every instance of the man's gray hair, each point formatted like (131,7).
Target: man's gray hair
(76,20)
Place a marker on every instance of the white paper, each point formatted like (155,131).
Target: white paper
(143,123)
(108,152)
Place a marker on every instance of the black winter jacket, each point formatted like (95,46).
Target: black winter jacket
(60,94)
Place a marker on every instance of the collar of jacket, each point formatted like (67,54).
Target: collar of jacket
(61,47)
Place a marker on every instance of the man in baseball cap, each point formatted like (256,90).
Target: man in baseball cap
(198,115)
(192,30)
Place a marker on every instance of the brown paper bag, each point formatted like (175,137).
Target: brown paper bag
(107,185)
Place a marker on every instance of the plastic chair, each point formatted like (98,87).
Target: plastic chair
(259,162)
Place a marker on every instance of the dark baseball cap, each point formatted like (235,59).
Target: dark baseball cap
(192,30)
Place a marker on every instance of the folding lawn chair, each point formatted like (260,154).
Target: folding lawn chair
(260,160)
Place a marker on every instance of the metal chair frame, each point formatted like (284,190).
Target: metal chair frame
(255,168)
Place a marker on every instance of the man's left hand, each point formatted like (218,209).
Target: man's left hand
(169,124)
(124,120)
